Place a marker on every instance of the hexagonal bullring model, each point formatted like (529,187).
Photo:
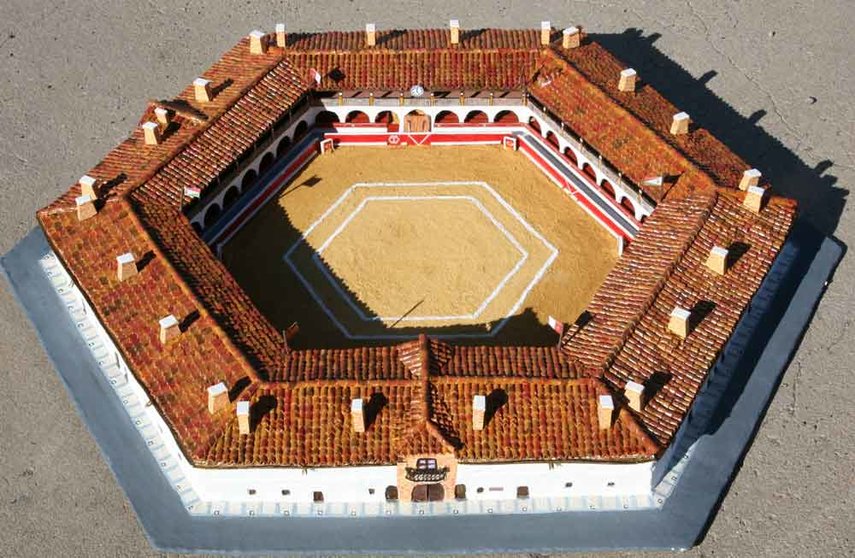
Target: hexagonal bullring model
(350,273)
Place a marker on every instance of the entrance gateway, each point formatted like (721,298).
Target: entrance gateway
(428,493)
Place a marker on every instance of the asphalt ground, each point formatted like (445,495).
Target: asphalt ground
(772,79)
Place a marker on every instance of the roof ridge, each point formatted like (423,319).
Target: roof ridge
(632,323)
(395,40)
(182,285)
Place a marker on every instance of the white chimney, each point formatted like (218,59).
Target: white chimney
(627,80)
(151,133)
(634,393)
(454,26)
(605,410)
(88,186)
(163,116)
(370,34)
(85,207)
(242,411)
(680,124)
(754,198)
(357,415)
(202,90)
(169,329)
(127,266)
(479,411)
(653,180)
(571,37)
(257,42)
(545,33)
(751,177)
(717,260)
(679,322)
(218,397)
(280,35)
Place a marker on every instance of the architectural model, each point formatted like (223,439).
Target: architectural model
(419,272)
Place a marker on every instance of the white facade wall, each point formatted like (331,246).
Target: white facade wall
(544,480)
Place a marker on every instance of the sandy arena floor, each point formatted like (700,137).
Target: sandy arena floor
(469,242)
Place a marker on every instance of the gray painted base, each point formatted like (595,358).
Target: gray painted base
(680,523)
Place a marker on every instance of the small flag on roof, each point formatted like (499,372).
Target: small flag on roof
(315,75)
(653,181)
(556,325)
(292,331)
(192,191)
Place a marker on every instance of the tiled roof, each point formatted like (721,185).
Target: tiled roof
(627,338)
(440,69)
(133,163)
(215,288)
(699,146)
(307,423)
(229,137)
(416,39)
(418,394)
(176,375)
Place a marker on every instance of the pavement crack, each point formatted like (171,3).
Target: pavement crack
(774,104)
(794,403)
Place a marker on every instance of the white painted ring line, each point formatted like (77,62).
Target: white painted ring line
(538,276)
(349,299)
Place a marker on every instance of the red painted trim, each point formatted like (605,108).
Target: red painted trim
(583,200)
(416,139)
(310,151)
(584,176)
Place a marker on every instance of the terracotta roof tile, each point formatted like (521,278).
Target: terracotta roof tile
(419,393)
(628,337)
(133,162)
(176,375)
(308,424)
(416,39)
(446,69)
(229,137)
(216,289)
(703,149)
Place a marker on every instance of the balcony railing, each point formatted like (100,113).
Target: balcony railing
(426,475)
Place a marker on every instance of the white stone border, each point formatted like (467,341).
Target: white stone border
(505,205)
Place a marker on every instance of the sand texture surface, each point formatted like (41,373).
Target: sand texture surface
(473,242)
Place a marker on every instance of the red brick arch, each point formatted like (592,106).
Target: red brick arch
(506,117)
(446,117)
(357,117)
(476,117)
